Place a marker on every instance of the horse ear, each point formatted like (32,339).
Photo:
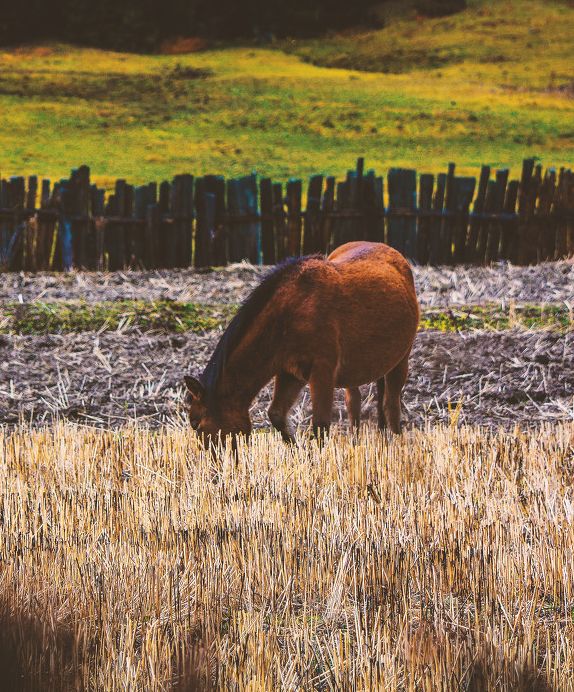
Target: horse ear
(194,386)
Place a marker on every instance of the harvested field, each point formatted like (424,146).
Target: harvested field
(439,560)
(549,282)
(133,560)
(499,378)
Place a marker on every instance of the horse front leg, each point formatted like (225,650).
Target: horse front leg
(287,388)
(322,386)
(353,401)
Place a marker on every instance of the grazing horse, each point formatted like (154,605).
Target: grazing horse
(342,321)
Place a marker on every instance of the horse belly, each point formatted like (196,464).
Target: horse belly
(367,363)
(373,340)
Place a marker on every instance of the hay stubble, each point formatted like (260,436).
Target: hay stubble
(438,560)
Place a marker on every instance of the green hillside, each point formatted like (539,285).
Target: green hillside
(490,85)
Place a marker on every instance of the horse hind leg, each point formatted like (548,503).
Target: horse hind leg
(287,388)
(389,396)
(322,386)
(380,403)
(353,402)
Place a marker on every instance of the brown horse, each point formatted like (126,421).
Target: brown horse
(343,321)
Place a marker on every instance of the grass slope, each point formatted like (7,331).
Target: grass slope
(490,85)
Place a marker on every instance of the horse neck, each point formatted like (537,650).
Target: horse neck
(250,367)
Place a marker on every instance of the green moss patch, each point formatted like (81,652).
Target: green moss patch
(174,316)
(64,317)
(496,317)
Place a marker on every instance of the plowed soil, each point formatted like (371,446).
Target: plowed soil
(499,378)
(495,378)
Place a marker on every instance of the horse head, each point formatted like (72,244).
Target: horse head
(211,417)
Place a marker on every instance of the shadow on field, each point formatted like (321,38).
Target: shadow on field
(462,663)
(36,656)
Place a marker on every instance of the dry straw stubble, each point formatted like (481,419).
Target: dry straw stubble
(442,559)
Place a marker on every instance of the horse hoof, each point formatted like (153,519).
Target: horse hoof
(288,438)
(320,433)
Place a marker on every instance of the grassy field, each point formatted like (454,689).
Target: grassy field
(440,560)
(490,85)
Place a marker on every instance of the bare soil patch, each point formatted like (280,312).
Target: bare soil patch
(499,378)
(548,282)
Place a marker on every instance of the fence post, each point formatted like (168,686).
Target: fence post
(186,223)
(463,192)
(267,226)
(16,243)
(4,228)
(294,217)
(312,228)
(205,226)
(139,238)
(327,206)
(474,231)
(509,227)
(80,191)
(448,222)
(65,226)
(494,227)
(31,226)
(281,230)
(152,231)
(166,231)
(546,224)
(426,184)
(215,185)
(45,230)
(435,247)
(569,208)
(98,221)
(402,232)
(526,204)
(373,207)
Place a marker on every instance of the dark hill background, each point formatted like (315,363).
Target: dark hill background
(142,25)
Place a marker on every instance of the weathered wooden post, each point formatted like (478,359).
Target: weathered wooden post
(426,184)
(312,229)
(294,193)
(476,223)
(327,207)
(509,226)
(463,194)
(268,247)
(99,227)
(495,226)
(66,195)
(280,223)
(402,225)
(435,247)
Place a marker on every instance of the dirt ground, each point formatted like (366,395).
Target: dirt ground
(549,282)
(109,378)
(500,378)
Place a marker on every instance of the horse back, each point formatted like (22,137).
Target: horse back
(377,310)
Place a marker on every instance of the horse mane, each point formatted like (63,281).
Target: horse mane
(244,318)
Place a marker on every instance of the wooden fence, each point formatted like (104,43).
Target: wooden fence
(208,221)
